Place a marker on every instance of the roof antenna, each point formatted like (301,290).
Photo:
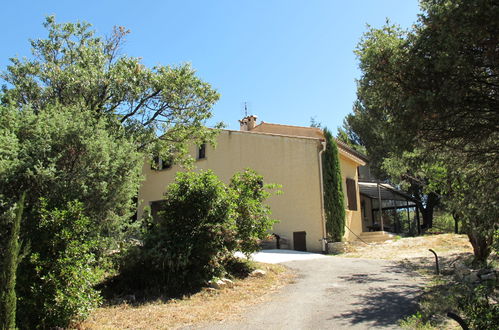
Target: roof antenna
(245,109)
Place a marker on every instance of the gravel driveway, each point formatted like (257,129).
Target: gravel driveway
(335,293)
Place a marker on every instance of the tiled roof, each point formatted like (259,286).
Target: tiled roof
(312,132)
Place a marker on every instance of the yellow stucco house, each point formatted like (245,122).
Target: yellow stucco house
(287,155)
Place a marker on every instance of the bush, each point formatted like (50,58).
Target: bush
(253,219)
(190,239)
(478,309)
(239,267)
(199,226)
(63,154)
(59,155)
(62,272)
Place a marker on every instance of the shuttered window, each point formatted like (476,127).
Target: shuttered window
(352,194)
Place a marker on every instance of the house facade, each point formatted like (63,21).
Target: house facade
(286,155)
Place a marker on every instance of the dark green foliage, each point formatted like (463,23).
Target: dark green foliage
(192,236)
(334,202)
(62,270)
(199,226)
(9,264)
(238,267)
(393,153)
(347,135)
(427,110)
(475,303)
(65,154)
(480,311)
(60,155)
(253,219)
(451,73)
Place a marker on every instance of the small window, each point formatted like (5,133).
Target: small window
(202,151)
(161,164)
(352,194)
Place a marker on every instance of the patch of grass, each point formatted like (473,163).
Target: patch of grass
(416,322)
(208,305)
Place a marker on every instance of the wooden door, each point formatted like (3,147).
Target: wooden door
(300,240)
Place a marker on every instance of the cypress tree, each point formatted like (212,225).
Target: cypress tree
(11,260)
(334,204)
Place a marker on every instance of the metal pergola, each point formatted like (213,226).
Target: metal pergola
(394,199)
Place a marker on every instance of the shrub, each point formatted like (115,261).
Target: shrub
(58,155)
(62,272)
(239,267)
(478,309)
(191,237)
(253,217)
(200,224)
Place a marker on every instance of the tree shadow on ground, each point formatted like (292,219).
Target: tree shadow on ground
(135,287)
(384,307)
(364,278)
(392,296)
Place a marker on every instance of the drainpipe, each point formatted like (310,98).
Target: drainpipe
(321,185)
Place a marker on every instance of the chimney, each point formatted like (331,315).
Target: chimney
(248,123)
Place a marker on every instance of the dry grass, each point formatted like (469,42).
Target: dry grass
(205,306)
(413,247)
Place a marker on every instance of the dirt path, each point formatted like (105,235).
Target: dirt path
(336,293)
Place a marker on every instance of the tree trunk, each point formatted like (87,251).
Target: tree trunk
(481,247)
(456,223)
(427,211)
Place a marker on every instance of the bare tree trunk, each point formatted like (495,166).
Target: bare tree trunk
(481,247)
(456,223)
(427,210)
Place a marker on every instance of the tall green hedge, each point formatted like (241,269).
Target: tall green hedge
(334,204)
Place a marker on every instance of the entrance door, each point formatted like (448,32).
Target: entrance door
(300,240)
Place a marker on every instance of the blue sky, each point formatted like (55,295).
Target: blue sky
(290,60)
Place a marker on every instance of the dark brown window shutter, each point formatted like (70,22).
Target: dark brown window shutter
(352,194)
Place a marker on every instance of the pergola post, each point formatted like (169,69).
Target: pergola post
(408,216)
(380,208)
(417,220)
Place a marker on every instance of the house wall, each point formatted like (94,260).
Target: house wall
(289,161)
(353,218)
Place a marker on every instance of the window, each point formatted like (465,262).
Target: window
(352,194)
(202,151)
(161,164)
